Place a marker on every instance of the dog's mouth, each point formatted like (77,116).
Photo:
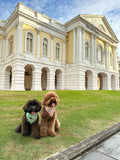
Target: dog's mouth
(53,104)
(33,112)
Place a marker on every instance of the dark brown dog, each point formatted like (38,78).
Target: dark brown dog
(49,122)
(29,124)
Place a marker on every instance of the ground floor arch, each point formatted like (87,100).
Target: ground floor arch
(88,80)
(28,77)
(8,78)
(44,78)
(58,79)
(102,81)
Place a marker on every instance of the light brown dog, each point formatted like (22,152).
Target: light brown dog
(49,123)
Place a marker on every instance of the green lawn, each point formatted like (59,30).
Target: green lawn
(81,113)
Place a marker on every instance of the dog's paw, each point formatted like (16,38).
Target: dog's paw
(57,130)
(51,133)
(43,134)
(37,137)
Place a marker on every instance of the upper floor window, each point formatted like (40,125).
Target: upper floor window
(29,42)
(57,51)
(45,47)
(100,53)
(87,50)
(10,45)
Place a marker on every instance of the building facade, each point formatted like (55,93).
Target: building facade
(39,53)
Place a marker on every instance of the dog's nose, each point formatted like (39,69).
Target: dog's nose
(33,107)
(53,100)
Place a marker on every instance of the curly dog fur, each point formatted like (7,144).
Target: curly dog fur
(49,123)
(25,127)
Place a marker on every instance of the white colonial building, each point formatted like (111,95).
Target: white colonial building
(39,53)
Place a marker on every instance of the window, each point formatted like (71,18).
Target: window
(45,47)
(29,42)
(10,45)
(86,50)
(100,52)
(57,51)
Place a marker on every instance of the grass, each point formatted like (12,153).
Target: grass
(81,113)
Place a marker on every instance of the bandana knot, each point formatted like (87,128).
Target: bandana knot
(50,110)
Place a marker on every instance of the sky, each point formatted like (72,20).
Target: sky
(64,10)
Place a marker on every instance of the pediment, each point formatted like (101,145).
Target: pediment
(101,23)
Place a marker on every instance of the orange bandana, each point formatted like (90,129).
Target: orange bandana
(50,110)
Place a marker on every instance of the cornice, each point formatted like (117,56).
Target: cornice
(42,24)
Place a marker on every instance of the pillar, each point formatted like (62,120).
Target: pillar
(38,44)
(51,79)
(52,38)
(79,44)
(92,50)
(106,55)
(95,82)
(82,44)
(64,52)
(19,39)
(74,43)
(4,48)
(36,78)
(18,76)
(81,80)
(95,50)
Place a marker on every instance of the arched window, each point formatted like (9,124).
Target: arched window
(57,55)
(45,47)
(10,45)
(100,53)
(87,50)
(29,42)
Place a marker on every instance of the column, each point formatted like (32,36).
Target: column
(36,80)
(81,78)
(52,38)
(38,43)
(92,50)
(115,60)
(2,81)
(64,51)
(117,82)
(19,39)
(95,81)
(18,76)
(79,44)
(74,43)
(0,50)
(95,50)
(82,44)
(108,83)
(106,55)
(4,48)
(51,80)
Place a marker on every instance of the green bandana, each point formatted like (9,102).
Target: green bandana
(31,118)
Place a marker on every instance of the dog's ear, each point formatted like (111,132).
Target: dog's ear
(25,107)
(43,102)
(57,98)
(45,99)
